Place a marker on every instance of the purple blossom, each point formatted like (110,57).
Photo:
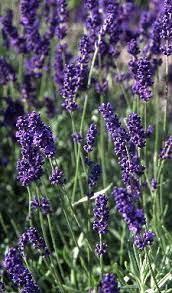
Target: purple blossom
(142,72)
(29,167)
(77,137)
(18,273)
(166,151)
(62,16)
(94,174)
(125,204)
(90,138)
(32,237)
(108,284)
(57,177)
(141,241)
(101,249)
(7,72)
(101,215)
(136,131)
(42,204)
(33,132)
(133,48)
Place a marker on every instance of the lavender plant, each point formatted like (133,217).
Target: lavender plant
(86,146)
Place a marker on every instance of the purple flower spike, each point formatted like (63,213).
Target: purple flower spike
(166,151)
(18,273)
(141,241)
(43,205)
(57,177)
(101,249)
(101,215)
(90,138)
(108,284)
(31,236)
(136,131)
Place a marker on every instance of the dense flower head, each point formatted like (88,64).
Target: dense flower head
(111,119)
(7,72)
(95,172)
(141,241)
(57,177)
(166,151)
(91,4)
(62,16)
(32,237)
(124,149)
(18,273)
(142,72)
(90,138)
(101,249)
(30,166)
(42,205)
(32,132)
(101,215)
(154,184)
(133,48)
(136,131)
(125,204)
(108,284)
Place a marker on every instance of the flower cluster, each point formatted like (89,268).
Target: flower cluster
(100,225)
(166,151)
(18,273)
(141,241)
(108,284)
(7,72)
(124,148)
(126,205)
(62,16)
(57,177)
(136,131)
(31,236)
(42,204)
(142,71)
(90,138)
(36,141)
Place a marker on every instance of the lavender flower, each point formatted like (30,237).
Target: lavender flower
(166,151)
(101,249)
(32,131)
(43,205)
(57,177)
(125,204)
(31,236)
(7,73)
(136,131)
(76,137)
(142,72)
(29,167)
(62,16)
(154,184)
(124,149)
(101,215)
(141,241)
(90,138)
(18,273)
(108,284)
(95,172)
(133,48)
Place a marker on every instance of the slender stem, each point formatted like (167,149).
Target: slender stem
(152,272)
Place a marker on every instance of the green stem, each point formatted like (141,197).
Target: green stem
(152,272)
